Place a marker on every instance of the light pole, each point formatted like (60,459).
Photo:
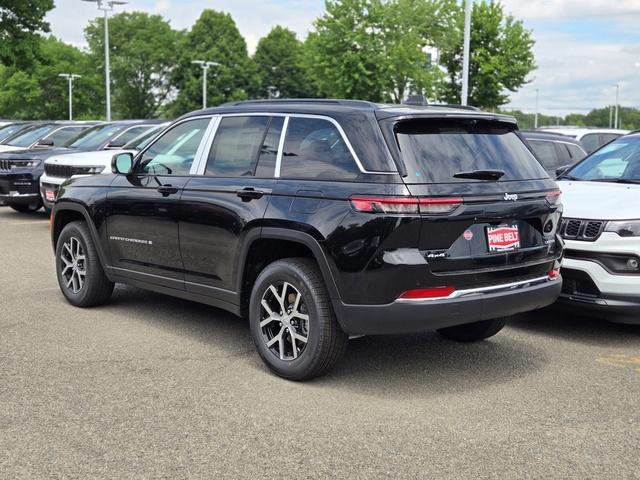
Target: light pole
(615,123)
(107,6)
(535,121)
(205,68)
(70,78)
(466,49)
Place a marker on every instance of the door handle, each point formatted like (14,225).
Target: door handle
(166,190)
(247,194)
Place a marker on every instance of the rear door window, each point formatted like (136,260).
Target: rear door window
(590,142)
(235,149)
(575,152)
(269,150)
(545,152)
(314,148)
(434,150)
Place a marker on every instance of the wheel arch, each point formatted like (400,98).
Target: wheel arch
(268,244)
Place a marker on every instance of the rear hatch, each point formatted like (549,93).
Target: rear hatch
(502,211)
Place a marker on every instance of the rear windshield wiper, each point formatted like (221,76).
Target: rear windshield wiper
(481,174)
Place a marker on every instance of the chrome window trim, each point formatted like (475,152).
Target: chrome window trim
(331,120)
(285,126)
(199,165)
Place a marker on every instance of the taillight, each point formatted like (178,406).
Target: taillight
(427,293)
(555,273)
(553,197)
(424,205)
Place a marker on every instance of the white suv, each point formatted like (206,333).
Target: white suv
(601,228)
(591,138)
(60,168)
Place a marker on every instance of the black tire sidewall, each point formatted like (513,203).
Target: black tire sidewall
(273,274)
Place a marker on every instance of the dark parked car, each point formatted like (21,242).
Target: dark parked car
(322,219)
(11,129)
(554,151)
(20,170)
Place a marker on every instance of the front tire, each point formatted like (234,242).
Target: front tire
(474,332)
(80,274)
(26,208)
(292,321)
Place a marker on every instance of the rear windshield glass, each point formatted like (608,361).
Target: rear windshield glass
(435,150)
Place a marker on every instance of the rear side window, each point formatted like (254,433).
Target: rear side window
(236,146)
(269,150)
(314,148)
(545,152)
(590,142)
(575,152)
(434,150)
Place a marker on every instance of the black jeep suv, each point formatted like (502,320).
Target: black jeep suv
(322,219)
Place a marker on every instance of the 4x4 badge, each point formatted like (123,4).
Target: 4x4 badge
(511,196)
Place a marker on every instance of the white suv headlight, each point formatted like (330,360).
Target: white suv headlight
(94,170)
(624,228)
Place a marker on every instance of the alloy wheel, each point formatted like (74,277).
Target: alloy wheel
(284,321)
(73,265)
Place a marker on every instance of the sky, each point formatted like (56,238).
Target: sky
(583,47)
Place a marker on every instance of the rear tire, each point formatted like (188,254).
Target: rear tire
(474,332)
(80,274)
(305,340)
(26,208)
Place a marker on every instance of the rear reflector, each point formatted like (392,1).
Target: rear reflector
(422,293)
(555,273)
(428,206)
(554,197)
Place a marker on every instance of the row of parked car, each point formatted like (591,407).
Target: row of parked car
(37,157)
(322,219)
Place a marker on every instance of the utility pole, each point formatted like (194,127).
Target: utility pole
(535,121)
(107,6)
(466,52)
(70,78)
(610,116)
(617,117)
(205,68)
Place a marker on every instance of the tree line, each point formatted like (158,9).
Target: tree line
(598,117)
(379,50)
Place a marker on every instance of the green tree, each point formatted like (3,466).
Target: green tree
(143,51)
(20,22)
(375,49)
(39,93)
(214,38)
(501,56)
(279,60)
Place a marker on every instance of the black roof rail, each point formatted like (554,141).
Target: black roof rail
(319,101)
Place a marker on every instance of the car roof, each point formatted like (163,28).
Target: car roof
(330,107)
(552,136)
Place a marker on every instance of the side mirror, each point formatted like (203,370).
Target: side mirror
(115,144)
(122,163)
(561,170)
(45,142)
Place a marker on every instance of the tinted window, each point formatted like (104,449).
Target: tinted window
(27,138)
(434,150)
(130,134)
(95,138)
(269,151)
(563,154)
(545,152)
(590,142)
(607,137)
(141,141)
(173,152)
(314,148)
(235,149)
(575,152)
(63,135)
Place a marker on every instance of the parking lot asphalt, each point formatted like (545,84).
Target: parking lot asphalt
(153,387)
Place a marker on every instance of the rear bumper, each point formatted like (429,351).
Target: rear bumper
(464,307)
